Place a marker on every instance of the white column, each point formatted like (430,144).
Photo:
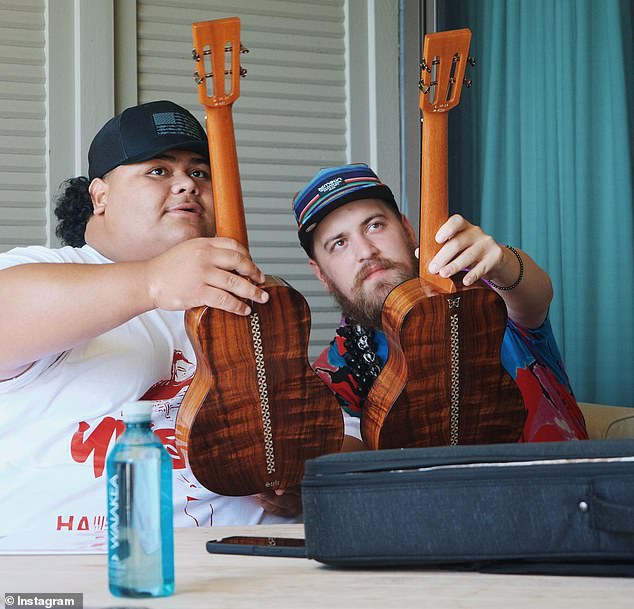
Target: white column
(372,28)
(80,71)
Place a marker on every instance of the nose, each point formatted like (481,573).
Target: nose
(183,182)
(365,248)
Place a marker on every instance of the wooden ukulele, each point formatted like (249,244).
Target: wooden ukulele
(255,410)
(443,382)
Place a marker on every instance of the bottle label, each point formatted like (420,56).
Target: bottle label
(115,550)
(113,525)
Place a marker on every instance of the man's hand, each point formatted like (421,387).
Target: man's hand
(282,502)
(466,246)
(215,272)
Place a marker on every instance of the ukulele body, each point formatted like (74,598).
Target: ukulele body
(443,382)
(255,410)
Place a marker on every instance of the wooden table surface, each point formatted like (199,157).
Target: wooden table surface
(215,581)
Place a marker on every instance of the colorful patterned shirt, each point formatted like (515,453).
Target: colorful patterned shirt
(532,359)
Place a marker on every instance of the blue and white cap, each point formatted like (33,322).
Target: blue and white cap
(331,188)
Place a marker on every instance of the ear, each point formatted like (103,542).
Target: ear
(318,273)
(98,190)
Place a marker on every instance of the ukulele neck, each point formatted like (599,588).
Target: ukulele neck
(434,209)
(225,175)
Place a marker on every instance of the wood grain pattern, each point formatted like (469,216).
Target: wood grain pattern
(443,382)
(411,405)
(255,410)
(220,422)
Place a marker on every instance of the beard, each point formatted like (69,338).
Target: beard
(365,304)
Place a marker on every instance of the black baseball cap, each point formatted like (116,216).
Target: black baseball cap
(142,132)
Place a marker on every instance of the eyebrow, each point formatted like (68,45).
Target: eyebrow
(329,240)
(368,220)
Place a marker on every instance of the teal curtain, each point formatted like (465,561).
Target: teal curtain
(541,155)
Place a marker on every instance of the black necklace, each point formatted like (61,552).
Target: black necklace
(360,355)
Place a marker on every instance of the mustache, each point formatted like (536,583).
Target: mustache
(370,267)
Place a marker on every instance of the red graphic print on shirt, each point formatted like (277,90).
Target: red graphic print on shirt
(96,443)
(167,395)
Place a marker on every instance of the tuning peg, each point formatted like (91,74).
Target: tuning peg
(424,66)
(471,61)
(243,49)
(423,87)
(195,55)
(198,79)
(243,71)
(467,82)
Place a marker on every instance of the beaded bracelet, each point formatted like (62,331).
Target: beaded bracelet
(521,276)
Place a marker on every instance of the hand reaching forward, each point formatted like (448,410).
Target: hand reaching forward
(466,246)
(49,308)
(528,291)
(215,272)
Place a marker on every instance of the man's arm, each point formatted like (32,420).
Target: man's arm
(466,246)
(49,308)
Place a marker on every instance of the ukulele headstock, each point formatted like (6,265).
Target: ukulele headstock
(445,58)
(217,51)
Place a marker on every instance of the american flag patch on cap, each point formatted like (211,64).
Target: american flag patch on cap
(175,123)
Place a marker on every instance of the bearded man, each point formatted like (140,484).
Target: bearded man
(360,247)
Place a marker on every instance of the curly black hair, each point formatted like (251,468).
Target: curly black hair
(73,208)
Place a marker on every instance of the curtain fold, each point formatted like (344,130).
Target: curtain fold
(541,156)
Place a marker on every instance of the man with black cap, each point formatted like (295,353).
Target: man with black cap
(99,322)
(360,247)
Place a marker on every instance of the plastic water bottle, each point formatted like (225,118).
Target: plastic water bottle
(140,525)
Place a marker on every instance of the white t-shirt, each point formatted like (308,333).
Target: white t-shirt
(59,419)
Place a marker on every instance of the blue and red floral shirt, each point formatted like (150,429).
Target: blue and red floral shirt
(531,357)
